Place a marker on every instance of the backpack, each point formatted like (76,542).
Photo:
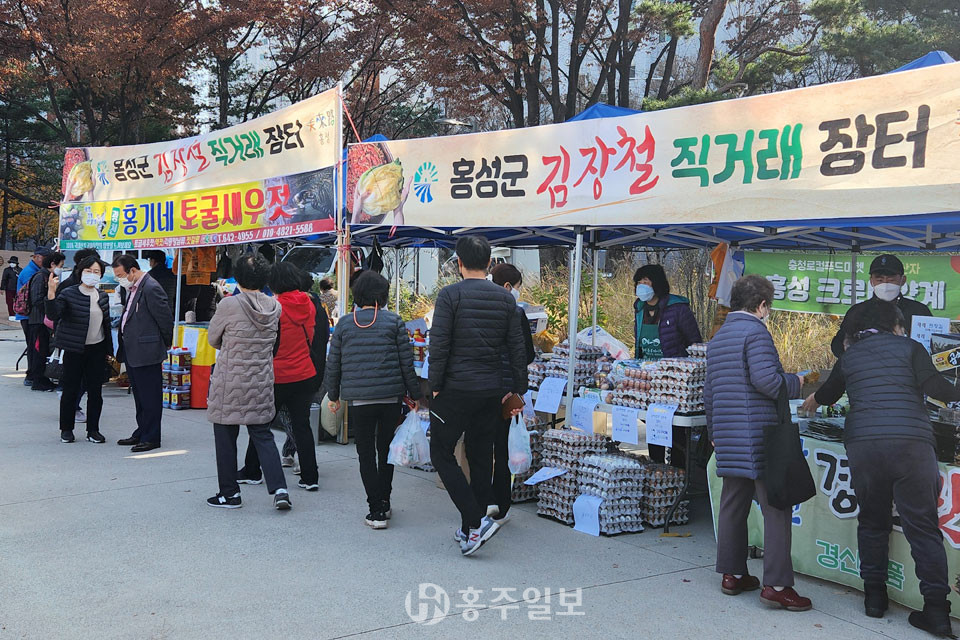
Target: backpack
(21,304)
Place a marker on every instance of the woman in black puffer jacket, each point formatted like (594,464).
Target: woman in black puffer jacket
(370,365)
(82,313)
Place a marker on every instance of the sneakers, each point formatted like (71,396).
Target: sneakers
(281,500)
(376,520)
(308,487)
(225,502)
(493,511)
(458,536)
(96,437)
(286,461)
(478,537)
(935,618)
(786,599)
(43,386)
(81,417)
(296,469)
(734,586)
(249,481)
(385,508)
(66,437)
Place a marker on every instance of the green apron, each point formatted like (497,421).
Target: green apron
(650,342)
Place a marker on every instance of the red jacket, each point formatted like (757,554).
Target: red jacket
(292,362)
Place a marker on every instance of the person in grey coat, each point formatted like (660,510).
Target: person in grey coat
(744,379)
(370,365)
(244,329)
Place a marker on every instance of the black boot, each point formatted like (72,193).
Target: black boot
(875,601)
(935,618)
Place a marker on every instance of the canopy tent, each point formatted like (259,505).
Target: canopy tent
(929,60)
(601,110)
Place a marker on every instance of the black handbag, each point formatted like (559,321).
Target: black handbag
(787,476)
(54,367)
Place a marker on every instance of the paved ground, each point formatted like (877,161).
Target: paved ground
(97,543)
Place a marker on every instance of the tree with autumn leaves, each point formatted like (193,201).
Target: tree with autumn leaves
(98,72)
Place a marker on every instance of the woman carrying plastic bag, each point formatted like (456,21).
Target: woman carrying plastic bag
(410,447)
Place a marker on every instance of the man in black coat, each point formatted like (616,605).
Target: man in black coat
(886,278)
(8,284)
(474,323)
(164,275)
(146,332)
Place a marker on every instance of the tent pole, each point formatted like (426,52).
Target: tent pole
(853,276)
(396,277)
(576,269)
(596,295)
(176,307)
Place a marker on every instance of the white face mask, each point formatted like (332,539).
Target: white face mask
(515,293)
(887,291)
(644,292)
(125,283)
(13,264)
(58,271)
(90,279)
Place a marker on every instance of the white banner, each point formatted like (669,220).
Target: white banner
(879,146)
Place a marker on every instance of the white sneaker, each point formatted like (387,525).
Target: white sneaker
(80,417)
(502,521)
(493,511)
(478,537)
(296,469)
(286,461)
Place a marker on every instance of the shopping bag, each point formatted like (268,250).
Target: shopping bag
(329,420)
(787,475)
(410,447)
(601,338)
(519,454)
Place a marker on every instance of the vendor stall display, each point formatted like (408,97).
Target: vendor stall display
(662,484)
(638,384)
(557,365)
(617,480)
(193,364)
(565,449)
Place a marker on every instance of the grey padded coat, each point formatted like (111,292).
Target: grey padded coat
(244,328)
(370,362)
(744,377)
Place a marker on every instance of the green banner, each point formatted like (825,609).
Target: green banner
(820,282)
(825,527)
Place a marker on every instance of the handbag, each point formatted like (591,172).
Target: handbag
(787,476)
(54,367)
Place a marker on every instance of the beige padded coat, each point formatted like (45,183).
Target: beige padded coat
(244,328)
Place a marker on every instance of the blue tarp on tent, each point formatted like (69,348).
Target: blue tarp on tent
(601,110)
(930,60)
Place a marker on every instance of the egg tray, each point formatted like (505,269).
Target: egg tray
(697,350)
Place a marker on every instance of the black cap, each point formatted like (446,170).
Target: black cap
(887,264)
(41,251)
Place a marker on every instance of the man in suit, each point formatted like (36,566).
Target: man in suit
(146,332)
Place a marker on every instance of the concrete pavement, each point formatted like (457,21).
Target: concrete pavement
(98,543)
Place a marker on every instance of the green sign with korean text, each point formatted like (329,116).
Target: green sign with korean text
(820,282)
(825,527)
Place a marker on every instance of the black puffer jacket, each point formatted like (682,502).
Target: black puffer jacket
(71,311)
(38,294)
(530,351)
(370,363)
(473,323)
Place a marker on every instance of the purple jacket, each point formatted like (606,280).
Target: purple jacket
(744,377)
(678,326)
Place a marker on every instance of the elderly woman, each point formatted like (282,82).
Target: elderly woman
(244,329)
(744,380)
(890,445)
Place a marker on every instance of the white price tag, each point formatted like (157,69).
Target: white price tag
(922,329)
(586,514)
(544,473)
(583,409)
(550,395)
(625,424)
(660,424)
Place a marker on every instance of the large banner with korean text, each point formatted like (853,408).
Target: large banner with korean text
(272,177)
(820,282)
(824,528)
(879,146)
